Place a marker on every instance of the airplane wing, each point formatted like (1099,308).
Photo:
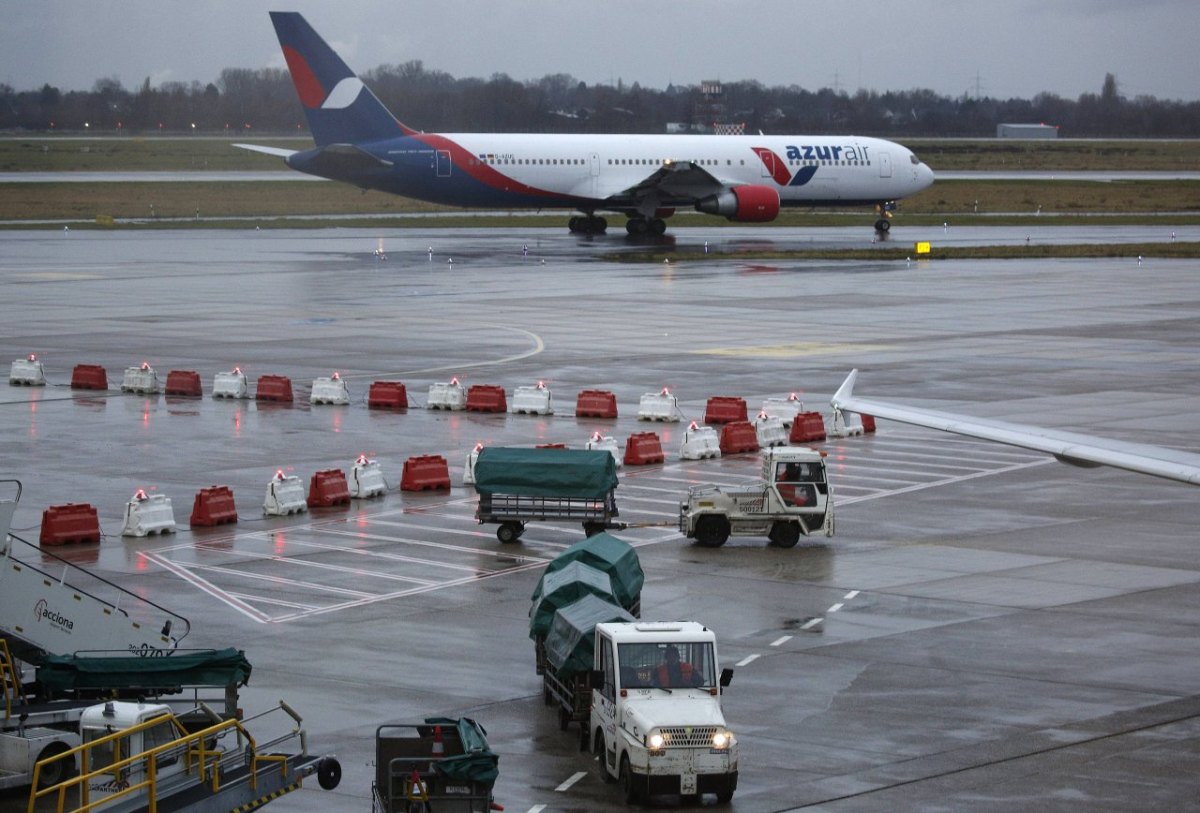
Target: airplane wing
(676,183)
(1073,448)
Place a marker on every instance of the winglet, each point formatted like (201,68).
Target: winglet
(846,391)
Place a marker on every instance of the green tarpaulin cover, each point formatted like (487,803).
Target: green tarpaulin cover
(562,587)
(570,644)
(211,667)
(608,554)
(478,763)
(574,473)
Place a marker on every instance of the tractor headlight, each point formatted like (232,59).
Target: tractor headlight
(655,741)
(722,739)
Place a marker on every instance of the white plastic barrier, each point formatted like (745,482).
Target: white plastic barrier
(606,443)
(146,515)
(330,390)
(843,424)
(699,442)
(444,395)
(141,380)
(231,385)
(658,406)
(366,479)
(28,372)
(770,430)
(285,495)
(785,409)
(469,469)
(532,401)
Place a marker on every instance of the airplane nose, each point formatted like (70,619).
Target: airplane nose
(925,176)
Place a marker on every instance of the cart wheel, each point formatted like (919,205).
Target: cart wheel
(590,529)
(509,532)
(329,773)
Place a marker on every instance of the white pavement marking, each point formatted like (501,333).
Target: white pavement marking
(835,607)
(781,641)
(812,622)
(747,660)
(851,594)
(574,778)
(947,481)
(536,809)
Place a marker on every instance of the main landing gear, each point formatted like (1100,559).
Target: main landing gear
(588,224)
(638,226)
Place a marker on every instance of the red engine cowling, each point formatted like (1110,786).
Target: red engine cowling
(744,204)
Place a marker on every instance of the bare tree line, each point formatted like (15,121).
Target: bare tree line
(264,101)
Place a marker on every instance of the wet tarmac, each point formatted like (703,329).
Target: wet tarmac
(988,629)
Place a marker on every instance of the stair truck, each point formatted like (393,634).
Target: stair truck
(136,756)
(619,580)
(793,498)
(519,485)
(43,720)
(444,765)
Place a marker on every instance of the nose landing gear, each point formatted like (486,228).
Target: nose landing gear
(884,210)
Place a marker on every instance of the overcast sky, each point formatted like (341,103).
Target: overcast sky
(1006,48)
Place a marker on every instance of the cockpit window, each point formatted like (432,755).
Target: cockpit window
(915,160)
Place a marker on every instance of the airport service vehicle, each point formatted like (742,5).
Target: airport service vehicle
(745,178)
(656,720)
(136,756)
(517,486)
(443,765)
(793,498)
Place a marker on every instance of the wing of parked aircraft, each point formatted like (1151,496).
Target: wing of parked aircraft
(1073,448)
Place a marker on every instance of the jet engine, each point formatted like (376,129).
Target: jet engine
(744,204)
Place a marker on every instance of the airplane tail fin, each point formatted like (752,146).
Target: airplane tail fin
(339,107)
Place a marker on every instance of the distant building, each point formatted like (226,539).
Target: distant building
(1026,131)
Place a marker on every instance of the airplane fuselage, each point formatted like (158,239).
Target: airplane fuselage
(517,170)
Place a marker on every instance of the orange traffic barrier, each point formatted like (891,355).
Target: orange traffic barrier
(595,404)
(183,382)
(73,522)
(387,395)
(424,473)
(486,398)
(739,436)
(274,388)
(213,506)
(807,427)
(643,448)
(89,377)
(328,488)
(725,409)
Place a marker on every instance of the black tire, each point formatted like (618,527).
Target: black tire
(329,773)
(56,772)
(630,792)
(590,529)
(601,758)
(785,534)
(583,737)
(724,797)
(509,532)
(712,531)
(658,226)
(883,225)
(637,226)
(564,718)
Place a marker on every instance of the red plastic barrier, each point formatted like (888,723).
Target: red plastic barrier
(486,398)
(73,522)
(738,436)
(425,472)
(183,382)
(725,409)
(328,488)
(213,506)
(387,395)
(595,404)
(807,427)
(868,423)
(89,377)
(274,388)
(643,449)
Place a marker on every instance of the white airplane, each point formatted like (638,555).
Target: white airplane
(645,177)
(1073,448)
